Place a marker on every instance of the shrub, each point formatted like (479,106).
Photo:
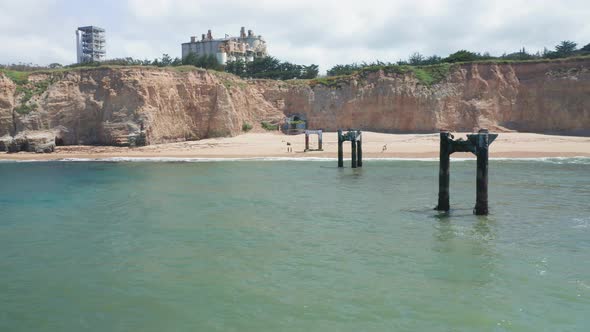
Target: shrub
(269,126)
(246,127)
(25,109)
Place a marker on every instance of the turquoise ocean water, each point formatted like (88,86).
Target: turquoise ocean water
(292,246)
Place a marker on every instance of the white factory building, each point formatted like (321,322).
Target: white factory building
(246,47)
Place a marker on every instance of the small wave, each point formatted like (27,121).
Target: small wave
(581,223)
(552,160)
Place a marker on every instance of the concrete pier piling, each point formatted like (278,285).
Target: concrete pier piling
(477,144)
(443,173)
(359,150)
(353,149)
(355,138)
(313,132)
(482,142)
(340,149)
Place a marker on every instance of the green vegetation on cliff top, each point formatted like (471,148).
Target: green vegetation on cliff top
(426,75)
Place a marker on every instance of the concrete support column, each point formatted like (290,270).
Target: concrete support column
(340,150)
(443,173)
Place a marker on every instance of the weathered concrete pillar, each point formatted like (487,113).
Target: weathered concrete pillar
(482,152)
(443,173)
(353,145)
(320,141)
(306,142)
(340,151)
(359,149)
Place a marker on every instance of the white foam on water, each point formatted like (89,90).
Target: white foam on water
(581,223)
(553,160)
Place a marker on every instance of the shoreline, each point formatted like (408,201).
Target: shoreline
(576,159)
(273,146)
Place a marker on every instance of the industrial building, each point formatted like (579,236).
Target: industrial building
(91,44)
(246,47)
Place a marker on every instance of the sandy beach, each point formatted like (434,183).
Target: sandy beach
(256,145)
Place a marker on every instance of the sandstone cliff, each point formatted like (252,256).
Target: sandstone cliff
(109,106)
(7,92)
(543,97)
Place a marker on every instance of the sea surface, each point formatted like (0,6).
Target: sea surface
(293,246)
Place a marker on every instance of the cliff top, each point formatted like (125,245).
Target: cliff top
(426,75)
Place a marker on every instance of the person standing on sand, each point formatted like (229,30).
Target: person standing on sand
(384,148)
(289,147)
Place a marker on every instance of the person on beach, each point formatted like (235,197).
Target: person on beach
(384,148)
(289,147)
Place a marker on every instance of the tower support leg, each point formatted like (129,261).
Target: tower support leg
(481,199)
(354,155)
(443,173)
(359,150)
(340,150)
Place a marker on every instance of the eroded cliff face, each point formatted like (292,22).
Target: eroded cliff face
(7,92)
(113,106)
(544,97)
(110,106)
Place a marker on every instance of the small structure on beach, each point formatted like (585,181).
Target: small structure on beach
(313,132)
(356,142)
(295,124)
(477,144)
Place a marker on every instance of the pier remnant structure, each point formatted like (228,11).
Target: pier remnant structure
(477,144)
(356,140)
(313,132)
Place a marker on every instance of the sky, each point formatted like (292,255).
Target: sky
(323,32)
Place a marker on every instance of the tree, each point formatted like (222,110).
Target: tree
(311,71)
(237,67)
(520,55)
(338,70)
(55,65)
(206,61)
(585,48)
(462,56)
(416,59)
(166,60)
(566,48)
(432,60)
(176,62)
(269,67)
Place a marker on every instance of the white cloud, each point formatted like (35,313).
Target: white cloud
(325,32)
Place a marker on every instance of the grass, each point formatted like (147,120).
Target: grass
(228,84)
(24,109)
(18,77)
(429,75)
(426,75)
(332,81)
(28,90)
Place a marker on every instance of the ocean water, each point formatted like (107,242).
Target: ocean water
(293,246)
